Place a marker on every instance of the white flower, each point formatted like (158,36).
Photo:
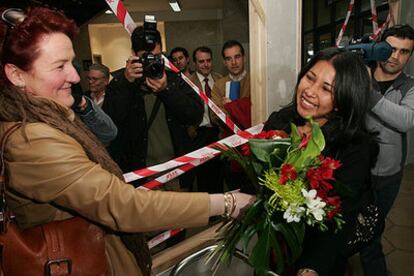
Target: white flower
(314,203)
(293,213)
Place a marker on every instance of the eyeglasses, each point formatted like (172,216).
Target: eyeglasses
(94,78)
(13,17)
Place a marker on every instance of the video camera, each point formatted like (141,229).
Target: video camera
(370,50)
(153,65)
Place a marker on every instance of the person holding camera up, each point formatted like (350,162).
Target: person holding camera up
(391,116)
(150,106)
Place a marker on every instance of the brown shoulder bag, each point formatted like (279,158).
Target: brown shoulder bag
(68,247)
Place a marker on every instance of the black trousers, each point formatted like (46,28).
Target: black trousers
(210,175)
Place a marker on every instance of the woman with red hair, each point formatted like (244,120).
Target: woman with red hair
(57,168)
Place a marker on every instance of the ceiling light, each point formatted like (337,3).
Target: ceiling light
(108,12)
(175,6)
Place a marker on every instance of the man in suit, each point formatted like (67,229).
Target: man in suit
(232,92)
(206,133)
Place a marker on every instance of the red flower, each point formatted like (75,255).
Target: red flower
(287,172)
(245,149)
(305,140)
(334,201)
(270,134)
(330,163)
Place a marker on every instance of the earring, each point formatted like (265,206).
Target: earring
(22,88)
(336,109)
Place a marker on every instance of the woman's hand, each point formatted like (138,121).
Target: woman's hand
(229,204)
(242,201)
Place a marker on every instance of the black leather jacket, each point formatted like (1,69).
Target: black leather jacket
(124,103)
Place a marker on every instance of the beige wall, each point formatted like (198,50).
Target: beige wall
(189,29)
(112,43)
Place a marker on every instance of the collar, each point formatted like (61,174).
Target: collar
(239,77)
(202,77)
(400,80)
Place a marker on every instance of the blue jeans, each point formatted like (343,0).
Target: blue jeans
(386,190)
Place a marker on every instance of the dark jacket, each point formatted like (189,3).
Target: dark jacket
(323,250)
(124,103)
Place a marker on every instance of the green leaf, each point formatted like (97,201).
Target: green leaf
(289,235)
(260,255)
(300,157)
(262,148)
(247,236)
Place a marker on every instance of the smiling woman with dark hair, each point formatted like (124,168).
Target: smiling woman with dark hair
(333,89)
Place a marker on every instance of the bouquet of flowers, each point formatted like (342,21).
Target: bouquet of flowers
(295,187)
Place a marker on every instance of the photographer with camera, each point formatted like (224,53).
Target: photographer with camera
(391,115)
(150,106)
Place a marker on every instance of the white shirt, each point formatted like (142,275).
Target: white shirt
(206,117)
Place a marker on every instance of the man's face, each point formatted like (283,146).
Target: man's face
(97,81)
(234,60)
(180,61)
(402,49)
(156,51)
(203,63)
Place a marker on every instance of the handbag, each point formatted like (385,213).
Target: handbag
(368,226)
(72,246)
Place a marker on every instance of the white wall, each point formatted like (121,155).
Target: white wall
(283,50)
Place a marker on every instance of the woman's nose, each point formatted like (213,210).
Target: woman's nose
(73,76)
(312,90)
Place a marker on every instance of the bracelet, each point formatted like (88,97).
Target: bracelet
(233,197)
(229,205)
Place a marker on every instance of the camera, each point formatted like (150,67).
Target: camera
(370,50)
(153,65)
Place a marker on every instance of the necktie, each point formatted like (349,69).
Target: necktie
(207,88)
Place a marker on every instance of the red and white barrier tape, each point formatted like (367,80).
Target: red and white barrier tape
(223,117)
(379,31)
(121,12)
(344,25)
(374,16)
(194,157)
(188,161)
(163,237)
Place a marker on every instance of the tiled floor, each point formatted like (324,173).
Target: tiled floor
(398,239)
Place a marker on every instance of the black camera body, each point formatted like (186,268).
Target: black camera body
(153,65)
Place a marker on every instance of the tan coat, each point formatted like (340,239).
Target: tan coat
(219,89)
(52,173)
(219,93)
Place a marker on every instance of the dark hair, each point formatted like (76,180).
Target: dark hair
(138,41)
(21,43)
(100,67)
(179,49)
(203,49)
(351,91)
(400,31)
(231,43)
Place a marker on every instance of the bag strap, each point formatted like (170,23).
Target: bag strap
(3,208)
(154,112)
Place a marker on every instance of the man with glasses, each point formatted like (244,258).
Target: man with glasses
(98,79)
(391,116)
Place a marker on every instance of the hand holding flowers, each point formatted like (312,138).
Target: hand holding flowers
(295,187)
